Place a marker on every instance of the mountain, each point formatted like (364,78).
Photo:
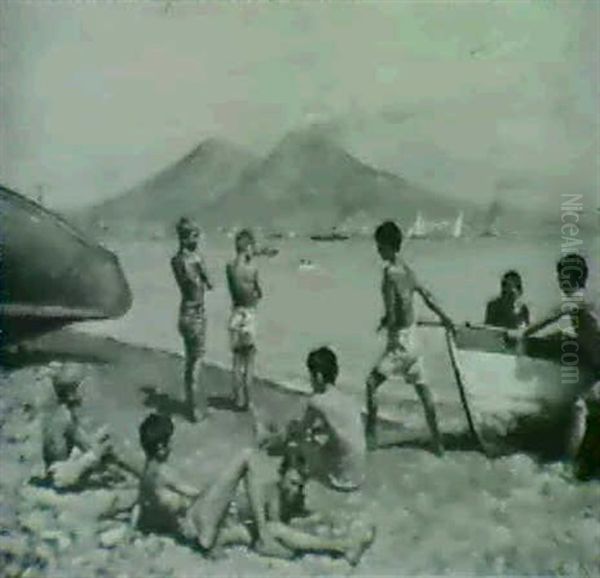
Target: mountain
(309,182)
(187,186)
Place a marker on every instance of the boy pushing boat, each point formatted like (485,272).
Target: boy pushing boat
(401,357)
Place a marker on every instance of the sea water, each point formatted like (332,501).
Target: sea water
(336,302)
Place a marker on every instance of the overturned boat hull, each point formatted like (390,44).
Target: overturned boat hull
(51,274)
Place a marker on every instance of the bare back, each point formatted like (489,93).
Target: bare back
(398,289)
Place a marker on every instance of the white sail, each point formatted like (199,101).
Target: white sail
(458,225)
(418,228)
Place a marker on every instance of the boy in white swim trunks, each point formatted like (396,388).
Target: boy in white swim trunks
(245,292)
(401,357)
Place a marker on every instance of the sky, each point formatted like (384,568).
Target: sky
(472,99)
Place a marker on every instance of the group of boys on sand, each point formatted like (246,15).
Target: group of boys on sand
(328,442)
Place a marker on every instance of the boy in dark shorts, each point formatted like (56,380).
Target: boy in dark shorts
(401,357)
(583,310)
(192,279)
(245,292)
(508,310)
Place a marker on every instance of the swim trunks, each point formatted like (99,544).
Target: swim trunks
(242,329)
(192,327)
(402,359)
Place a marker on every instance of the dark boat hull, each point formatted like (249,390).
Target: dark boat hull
(51,274)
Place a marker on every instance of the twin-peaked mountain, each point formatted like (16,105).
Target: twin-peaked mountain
(306,182)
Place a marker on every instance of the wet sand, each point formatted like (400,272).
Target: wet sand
(461,514)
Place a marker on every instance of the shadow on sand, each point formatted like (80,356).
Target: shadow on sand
(157,374)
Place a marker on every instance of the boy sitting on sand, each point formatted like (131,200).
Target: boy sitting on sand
(401,357)
(508,310)
(337,449)
(170,507)
(245,292)
(70,455)
(329,432)
(584,312)
(192,279)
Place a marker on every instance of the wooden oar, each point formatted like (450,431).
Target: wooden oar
(459,382)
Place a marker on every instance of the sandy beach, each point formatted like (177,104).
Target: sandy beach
(463,514)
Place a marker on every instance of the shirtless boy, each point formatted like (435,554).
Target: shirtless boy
(583,309)
(401,357)
(245,292)
(329,432)
(192,279)
(70,455)
(333,418)
(203,518)
(508,310)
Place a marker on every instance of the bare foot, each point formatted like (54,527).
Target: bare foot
(359,546)
(270,547)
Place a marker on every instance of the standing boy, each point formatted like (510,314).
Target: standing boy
(401,356)
(508,310)
(193,280)
(584,312)
(245,292)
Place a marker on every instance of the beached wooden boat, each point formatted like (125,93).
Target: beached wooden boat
(51,274)
(506,388)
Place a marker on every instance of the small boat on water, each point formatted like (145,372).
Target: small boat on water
(52,275)
(333,235)
(267,251)
(306,265)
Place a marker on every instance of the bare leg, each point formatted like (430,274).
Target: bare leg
(237,376)
(424,394)
(577,429)
(208,512)
(248,376)
(374,380)
(350,546)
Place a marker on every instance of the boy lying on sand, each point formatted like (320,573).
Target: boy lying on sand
(71,456)
(584,313)
(202,518)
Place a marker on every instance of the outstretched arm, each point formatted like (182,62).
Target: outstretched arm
(431,301)
(552,317)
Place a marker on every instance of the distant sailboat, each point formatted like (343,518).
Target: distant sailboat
(490,229)
(418,229)
(458,226)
